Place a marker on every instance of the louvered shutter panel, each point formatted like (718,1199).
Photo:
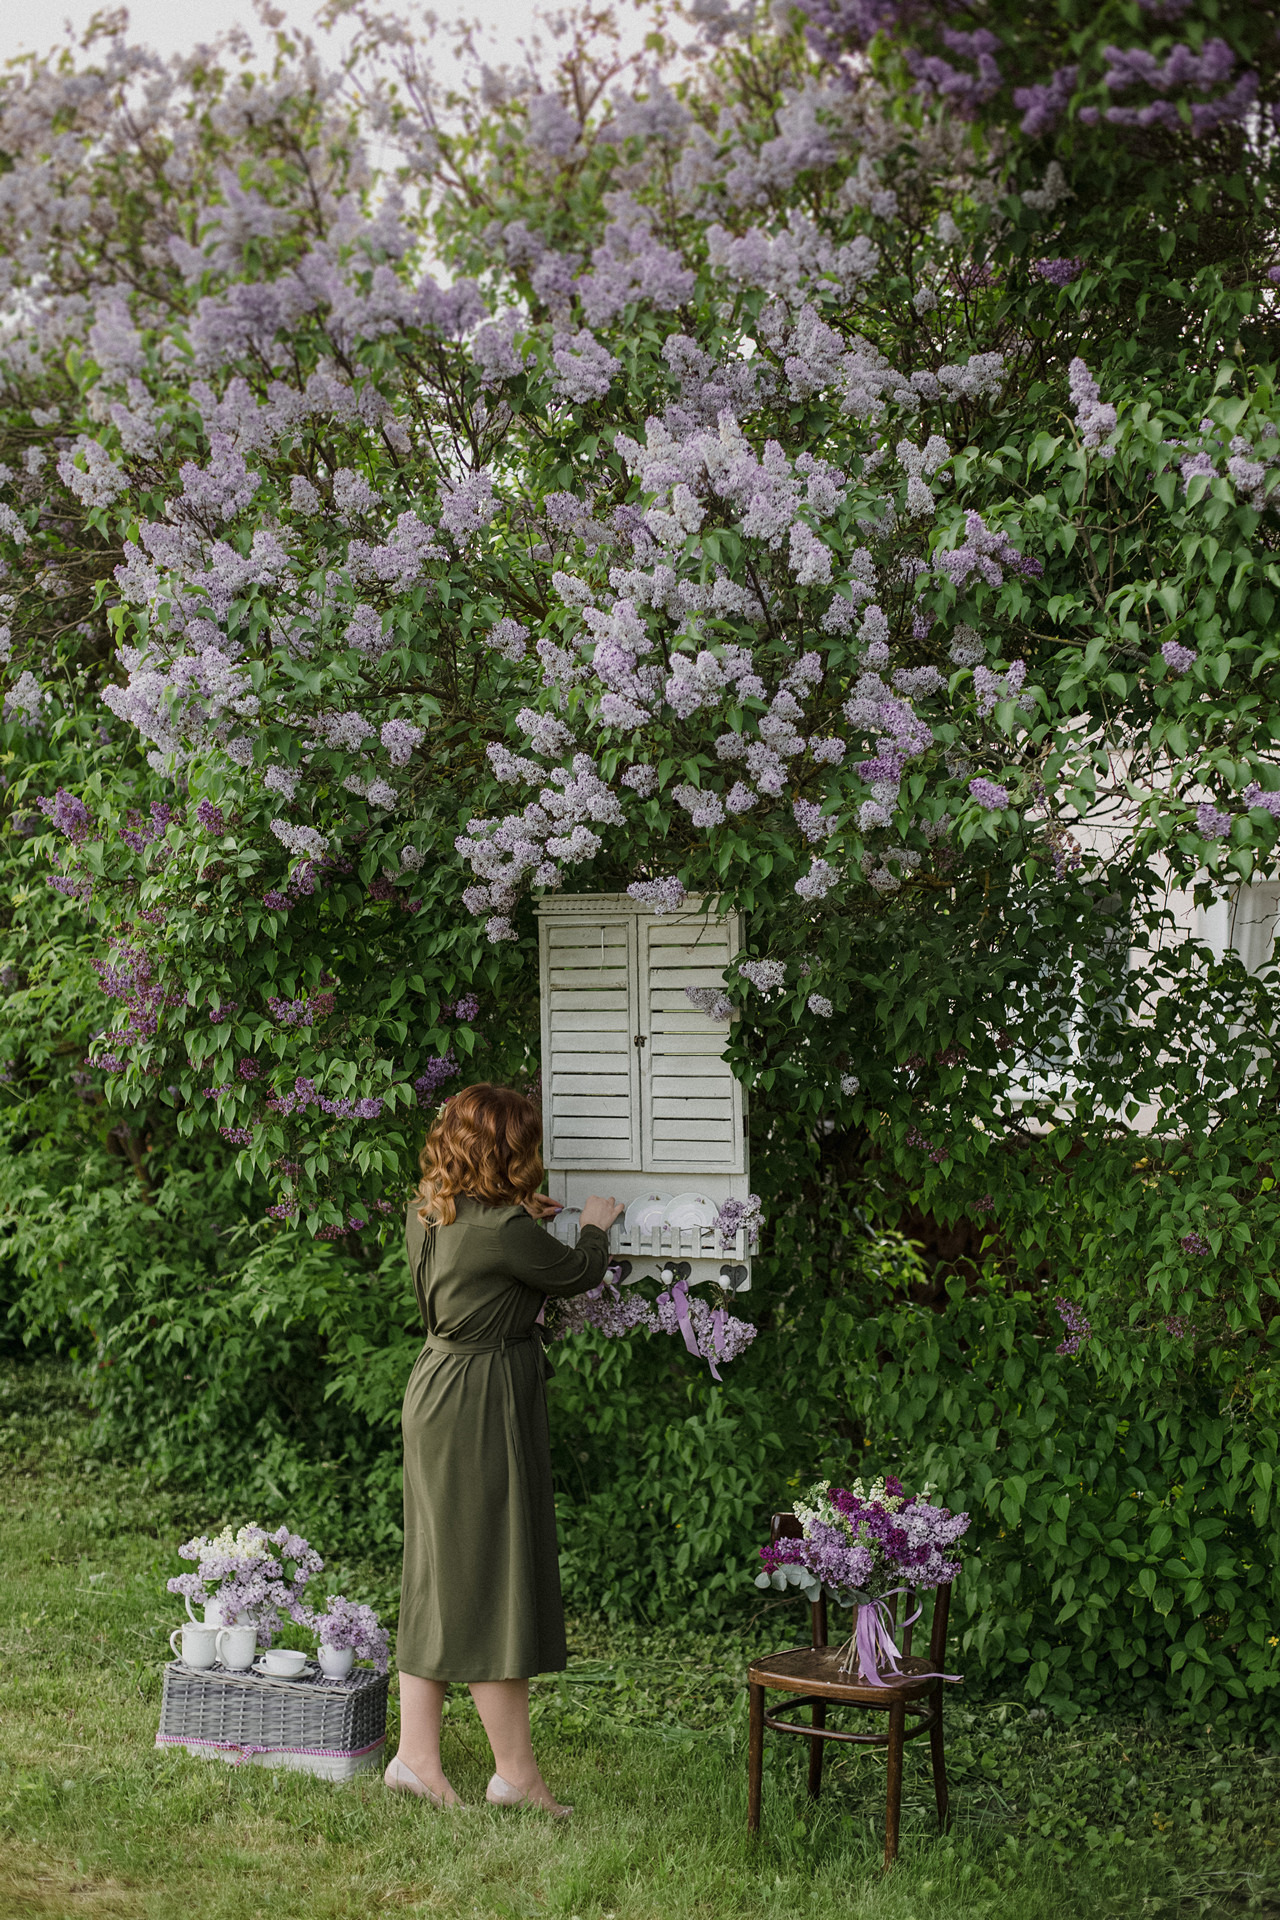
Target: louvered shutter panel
(691,1102)
(591,1075)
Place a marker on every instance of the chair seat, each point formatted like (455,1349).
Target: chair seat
(814,1670)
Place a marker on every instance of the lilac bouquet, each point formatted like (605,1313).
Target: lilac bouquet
(347,1624)
(246,1576)
(860,1545)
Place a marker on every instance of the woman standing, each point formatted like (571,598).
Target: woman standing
(480,1601)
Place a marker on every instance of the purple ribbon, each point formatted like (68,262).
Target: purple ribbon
(679,1298)
(873,1644)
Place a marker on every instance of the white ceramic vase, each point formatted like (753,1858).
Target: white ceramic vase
(335,1662)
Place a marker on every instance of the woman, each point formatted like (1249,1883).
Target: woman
(481,1595)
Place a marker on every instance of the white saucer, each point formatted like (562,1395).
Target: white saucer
(645,1216)
(308,1666)
(690,1210)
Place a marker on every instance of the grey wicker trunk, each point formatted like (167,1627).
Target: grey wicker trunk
(332,1728)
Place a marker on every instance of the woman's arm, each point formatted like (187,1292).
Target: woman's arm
(538,1261)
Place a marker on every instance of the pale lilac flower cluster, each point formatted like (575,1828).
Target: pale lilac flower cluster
(765,975)
(1211,821)
(1095,418)
(988,793)
(711,1001)
(248,1574)
(740,1216)
(1177,658)
(664,896)
(345,1623)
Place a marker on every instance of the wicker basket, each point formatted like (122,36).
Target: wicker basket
(332,1728)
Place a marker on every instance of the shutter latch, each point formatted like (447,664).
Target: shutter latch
(639,1040)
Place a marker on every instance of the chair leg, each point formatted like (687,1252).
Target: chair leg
(939,1760)
(755,1759)
(816,1750)
(893,1807)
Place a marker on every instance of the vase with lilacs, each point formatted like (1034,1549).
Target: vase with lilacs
(346,1632)
(248,1578)
(858,1547)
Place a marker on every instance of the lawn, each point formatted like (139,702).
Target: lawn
(645,1735)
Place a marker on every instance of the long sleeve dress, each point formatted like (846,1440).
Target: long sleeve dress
(480,1598)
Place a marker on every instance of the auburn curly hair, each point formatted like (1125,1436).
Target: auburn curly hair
(486,1144)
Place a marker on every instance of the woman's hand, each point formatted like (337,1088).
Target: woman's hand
(600,1213)
(542,1207)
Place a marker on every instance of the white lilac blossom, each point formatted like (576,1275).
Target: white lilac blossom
(765,975)
(305,842)
(818,882)
(664,896)
(508,638)
(849,1084)
(400,741)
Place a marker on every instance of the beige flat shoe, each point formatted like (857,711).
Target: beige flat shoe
(501,1793)
(402,1779)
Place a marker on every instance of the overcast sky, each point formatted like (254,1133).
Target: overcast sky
(172,26)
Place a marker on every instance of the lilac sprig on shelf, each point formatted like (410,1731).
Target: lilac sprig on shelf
(246,1575)
(616,1312)
(740,1216)
(347,1623)
(861,1542)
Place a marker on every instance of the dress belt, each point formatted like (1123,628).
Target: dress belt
(438,1343)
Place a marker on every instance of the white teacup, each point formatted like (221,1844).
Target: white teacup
(284,1661)
(236,1647)
(199,1644)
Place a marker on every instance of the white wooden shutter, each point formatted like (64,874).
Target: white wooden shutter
(692,1105)
(591,1075)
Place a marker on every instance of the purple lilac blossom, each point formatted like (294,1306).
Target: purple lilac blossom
(69,815)
(988,793)
(1058,273)
(1211,821)
(664,896)
(1177,658)
(1078,1328)
(1256,796)
(1194,1243)
(434,1076)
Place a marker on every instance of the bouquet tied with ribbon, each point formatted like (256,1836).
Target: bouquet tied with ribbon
(860,1546)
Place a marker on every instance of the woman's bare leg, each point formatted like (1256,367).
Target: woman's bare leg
(421,1710)
(503,1706)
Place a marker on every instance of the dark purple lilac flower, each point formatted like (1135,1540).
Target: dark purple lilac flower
(1194,1243)
(1043,105)
(222,1012)
(248,1070)
(69,815)
(433,1077)
(1058,273)
(1078,1328)
(237,1136)
(210,817)
(277,902)
(465,1008)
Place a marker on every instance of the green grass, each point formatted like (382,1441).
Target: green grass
(645,1735)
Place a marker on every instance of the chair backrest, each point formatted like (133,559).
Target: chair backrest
(785,1526)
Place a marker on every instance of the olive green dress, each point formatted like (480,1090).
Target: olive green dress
(481,1593)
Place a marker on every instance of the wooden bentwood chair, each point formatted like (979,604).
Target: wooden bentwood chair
(810,1673)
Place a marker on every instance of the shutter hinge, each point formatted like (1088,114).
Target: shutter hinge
(639,1040)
